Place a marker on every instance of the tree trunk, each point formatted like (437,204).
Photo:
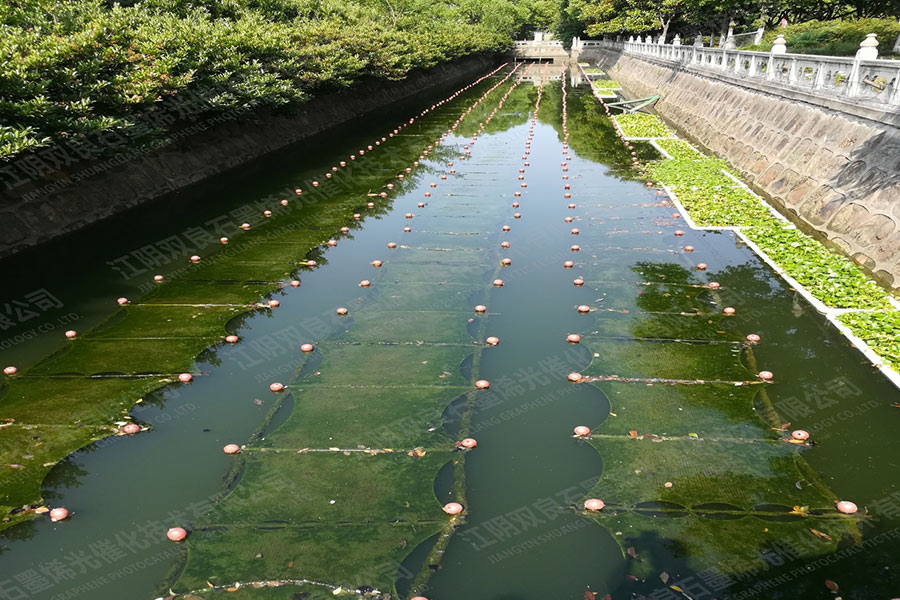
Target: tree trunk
(665,28)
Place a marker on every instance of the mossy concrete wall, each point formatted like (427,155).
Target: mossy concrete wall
(837,172)
(41,200)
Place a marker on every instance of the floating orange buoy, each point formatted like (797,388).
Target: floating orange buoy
(688,248)
(582,431)
(713,285)
(593,504)
(345,230)
(122,301)
(568,264)
(357,216)
(315,184)
(131,428)
(276,387)
(10,371)
(231,339)
(517,194)
(342,311)
(492,341)
(274,303)
(498,283)
(575,231)
(766,375)
(578,282)
(505,228)
(517,216)
(195,259)
(370,205)
(307,347)
(573,338)
(59,514)
(185,378)
(376,263)
(515,205)
(407,229)
(158,278)
(364,283)
(584,308)
(504,244)
(310,263)
(392,245)
(752,337)
(568,219)
(468,443)
(480,308)
(295,283)
(571,206)
(701,266)
(267,213)
(453,508)
(298,191)
(409,215)
(482,384)
(332,243)
(231,449)
(575,377)
(846,507)
(678,233)
(71,334)
(575,248)
(800,434)
(728,310)
(176,534)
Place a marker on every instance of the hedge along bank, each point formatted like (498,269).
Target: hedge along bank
(711,197)
(85,391)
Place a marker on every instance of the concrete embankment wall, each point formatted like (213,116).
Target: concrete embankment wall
(837,172)
(52,193)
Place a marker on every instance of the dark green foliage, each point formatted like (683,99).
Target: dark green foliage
(69,69)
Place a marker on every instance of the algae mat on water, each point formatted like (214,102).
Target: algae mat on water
(76,395)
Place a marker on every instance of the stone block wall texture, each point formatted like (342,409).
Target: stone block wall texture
(30,214)
(837,173)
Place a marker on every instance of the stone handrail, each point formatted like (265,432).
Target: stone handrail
(873,80)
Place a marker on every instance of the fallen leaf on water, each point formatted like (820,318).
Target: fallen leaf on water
(632,433)
(676,588)
(800,510)
(664,577)
(612,414)
(819,534)
(631,552)
(831,585)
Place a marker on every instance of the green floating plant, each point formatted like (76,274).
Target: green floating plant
(880,330)
(712,198)
(830,277)
(641,125)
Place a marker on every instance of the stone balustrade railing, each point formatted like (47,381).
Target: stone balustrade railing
(860,78)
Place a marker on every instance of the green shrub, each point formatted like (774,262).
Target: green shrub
(836,38)
(71,68)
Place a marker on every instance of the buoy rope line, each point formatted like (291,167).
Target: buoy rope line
(689,438)
(698,511)
(365,450)
(666,381)
(233,587)
(626,338)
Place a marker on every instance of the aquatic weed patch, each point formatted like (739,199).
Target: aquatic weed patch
(830,277)
(678,149)
(712,198)
(879,330)
(642,125)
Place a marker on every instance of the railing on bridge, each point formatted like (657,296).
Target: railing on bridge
(862,77)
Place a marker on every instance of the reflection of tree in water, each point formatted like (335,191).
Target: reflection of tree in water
(515,111)
(66,474)
(591,134)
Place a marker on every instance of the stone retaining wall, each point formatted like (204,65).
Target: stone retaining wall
(59,201)
(838,173)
